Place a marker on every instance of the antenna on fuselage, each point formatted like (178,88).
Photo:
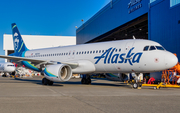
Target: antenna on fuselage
(134,37)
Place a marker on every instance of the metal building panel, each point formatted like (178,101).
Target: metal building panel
(110,17)
(164,25)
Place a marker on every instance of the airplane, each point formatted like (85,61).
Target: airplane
(122,56)
(7,67)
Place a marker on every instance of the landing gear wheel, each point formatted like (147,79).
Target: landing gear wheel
(86,80)
(50,83)
(47,82)
(13,73)
(135,85)
(44,81)
(4,75)
(83,81)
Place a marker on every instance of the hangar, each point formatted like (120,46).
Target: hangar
(37,42)
(157,20)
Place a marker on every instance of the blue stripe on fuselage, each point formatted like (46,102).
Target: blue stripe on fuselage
(28,64)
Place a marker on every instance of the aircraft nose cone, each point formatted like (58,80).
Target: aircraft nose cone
(170,60)
(13,69)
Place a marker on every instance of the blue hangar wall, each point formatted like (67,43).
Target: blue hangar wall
(164,24)
(163,18)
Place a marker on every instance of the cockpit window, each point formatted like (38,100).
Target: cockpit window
(159,48)
(152,48)
(146,48)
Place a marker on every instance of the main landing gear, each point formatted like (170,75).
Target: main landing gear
(86,79)
(47,82)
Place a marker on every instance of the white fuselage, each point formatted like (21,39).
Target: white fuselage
(7,67)
(122,56)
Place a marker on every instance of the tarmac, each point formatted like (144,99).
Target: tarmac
(28,95)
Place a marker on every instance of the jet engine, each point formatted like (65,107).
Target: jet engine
(58,72)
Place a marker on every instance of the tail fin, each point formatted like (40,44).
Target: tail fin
(18,42)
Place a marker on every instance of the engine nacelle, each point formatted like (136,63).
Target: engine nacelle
(58,72)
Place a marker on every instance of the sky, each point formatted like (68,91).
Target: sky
(46,17)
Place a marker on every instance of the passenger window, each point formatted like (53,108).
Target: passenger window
(102,51)
(119,50)
(93,51)
(99,51)
(90,52)
(146,48)
(152,48)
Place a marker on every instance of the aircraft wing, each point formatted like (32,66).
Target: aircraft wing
(21,59)
(37,62)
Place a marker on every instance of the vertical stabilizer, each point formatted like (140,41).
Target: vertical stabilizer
(18,42)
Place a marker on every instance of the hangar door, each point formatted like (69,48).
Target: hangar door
(137,27)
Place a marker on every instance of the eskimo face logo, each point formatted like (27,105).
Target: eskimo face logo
(15,34)
(16,41)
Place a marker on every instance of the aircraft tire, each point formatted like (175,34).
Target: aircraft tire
(50,83)
(88,81)
(44,81)
(135,85)
(83,81)
(13,73)
(3,75)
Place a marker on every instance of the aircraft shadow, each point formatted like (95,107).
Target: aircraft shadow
(39,82)
(114,84)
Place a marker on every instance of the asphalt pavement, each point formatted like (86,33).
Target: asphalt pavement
(28,95)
